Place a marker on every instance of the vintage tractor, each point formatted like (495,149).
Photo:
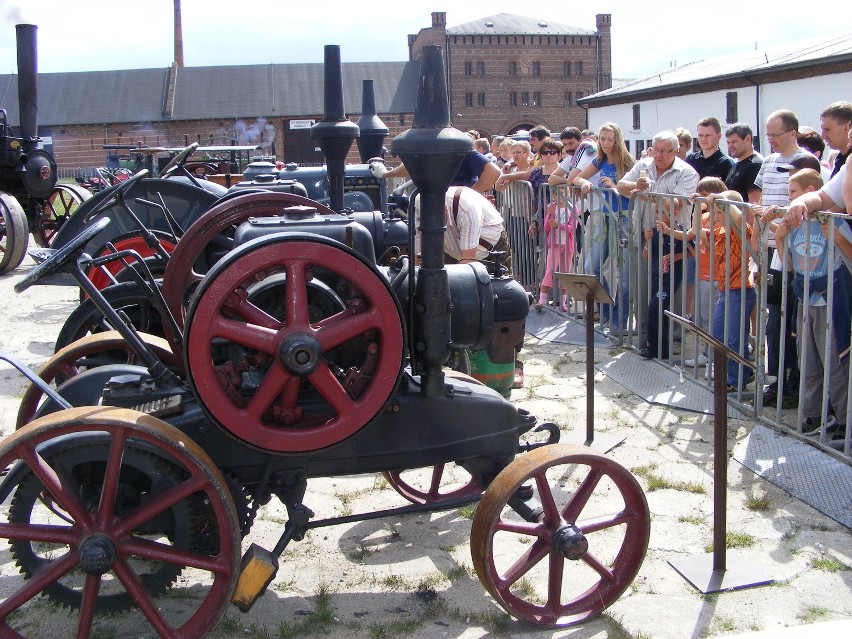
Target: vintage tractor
(298,356)
(30,198)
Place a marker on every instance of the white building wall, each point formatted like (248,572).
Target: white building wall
(806,98)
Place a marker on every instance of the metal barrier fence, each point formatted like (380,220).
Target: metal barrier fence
(714,260)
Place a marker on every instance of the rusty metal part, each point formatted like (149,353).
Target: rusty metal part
(585,542)
(77,356)
(58,206)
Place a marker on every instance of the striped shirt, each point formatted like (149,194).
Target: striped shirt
(475,219)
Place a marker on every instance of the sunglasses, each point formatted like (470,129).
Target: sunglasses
(549,152)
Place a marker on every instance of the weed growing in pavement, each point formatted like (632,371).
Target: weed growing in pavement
(230,624)
(467,511)
(395,582)
(315,623)
(692,519)
(758,502)
(256,631)
(380,483)
(812,614)
(735,540)
(658,482)
(361,553)
(459,571)
(725,625)
(828,564)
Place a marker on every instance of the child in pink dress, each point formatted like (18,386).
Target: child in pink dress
(560,222)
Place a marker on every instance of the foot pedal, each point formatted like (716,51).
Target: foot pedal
(257,570)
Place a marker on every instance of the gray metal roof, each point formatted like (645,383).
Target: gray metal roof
(264,90)
(509,24)
(807,53)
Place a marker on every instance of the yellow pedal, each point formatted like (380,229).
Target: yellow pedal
(257,570)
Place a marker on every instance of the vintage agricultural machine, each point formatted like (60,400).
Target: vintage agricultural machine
(296,356)
(31,201)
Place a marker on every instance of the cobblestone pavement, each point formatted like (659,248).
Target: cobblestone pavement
(412,576)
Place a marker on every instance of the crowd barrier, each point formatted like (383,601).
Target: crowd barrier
(761,316)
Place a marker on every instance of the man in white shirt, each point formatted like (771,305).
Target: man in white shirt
(661,172)
(770,188)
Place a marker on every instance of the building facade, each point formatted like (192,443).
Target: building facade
(508,72)
(803,77)
(505,73)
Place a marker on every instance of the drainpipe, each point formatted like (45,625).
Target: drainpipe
(757,119)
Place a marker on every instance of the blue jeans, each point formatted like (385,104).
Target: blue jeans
(728,309)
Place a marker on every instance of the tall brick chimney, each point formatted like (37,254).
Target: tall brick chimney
(178,36)
(604,25)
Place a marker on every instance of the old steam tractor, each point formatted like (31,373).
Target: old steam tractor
(31,201)
(299,357)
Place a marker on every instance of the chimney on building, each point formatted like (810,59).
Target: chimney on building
(604,25)
(439,18)
(178,36)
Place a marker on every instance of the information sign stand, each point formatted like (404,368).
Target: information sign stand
(586,287)
(710,573)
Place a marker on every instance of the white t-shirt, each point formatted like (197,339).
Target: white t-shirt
(834,188)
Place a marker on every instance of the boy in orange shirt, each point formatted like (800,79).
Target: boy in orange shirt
(730,238)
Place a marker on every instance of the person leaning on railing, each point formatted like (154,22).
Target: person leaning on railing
(808,254)
(612,162)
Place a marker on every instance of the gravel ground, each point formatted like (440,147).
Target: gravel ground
(412,576)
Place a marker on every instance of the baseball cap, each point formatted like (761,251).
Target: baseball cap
(804,161)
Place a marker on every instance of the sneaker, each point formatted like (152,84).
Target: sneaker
(539,306)
(564,308)
(812,425)
(701,360)
(646,353)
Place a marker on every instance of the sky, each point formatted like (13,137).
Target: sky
(95,35)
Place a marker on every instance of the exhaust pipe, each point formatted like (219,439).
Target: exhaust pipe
(432,151)
(27,84)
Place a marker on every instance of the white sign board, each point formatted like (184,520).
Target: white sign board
(301,124)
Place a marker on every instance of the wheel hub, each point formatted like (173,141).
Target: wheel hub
(569,541)
(96,555)
(300,353)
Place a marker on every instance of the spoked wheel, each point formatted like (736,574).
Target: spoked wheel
(210,237)
(287,379)
(580,553)
(90,351)
(58,207)
(132,241)
(108,507)
(127,297)
(13,233)
(433,484)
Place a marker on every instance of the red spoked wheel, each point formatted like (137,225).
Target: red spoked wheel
(92,350)
(208,239)
(285,378)
(59,205)
(108,507)
(433,484)
(580,553)
(129,242)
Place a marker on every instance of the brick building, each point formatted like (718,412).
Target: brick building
(506,73)
(509,72)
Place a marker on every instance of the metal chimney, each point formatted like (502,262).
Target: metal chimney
(373,130)
(28,84)
(432,151)
(334,133)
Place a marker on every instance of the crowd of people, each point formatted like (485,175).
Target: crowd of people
(684,227)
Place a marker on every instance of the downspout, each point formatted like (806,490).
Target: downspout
(446,71)
(599,80)
(757,120)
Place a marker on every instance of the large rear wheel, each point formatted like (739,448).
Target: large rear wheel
(108,507)
(13,233)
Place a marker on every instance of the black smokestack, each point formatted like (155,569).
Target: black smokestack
(28,84)
(373,130)
(334,133)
